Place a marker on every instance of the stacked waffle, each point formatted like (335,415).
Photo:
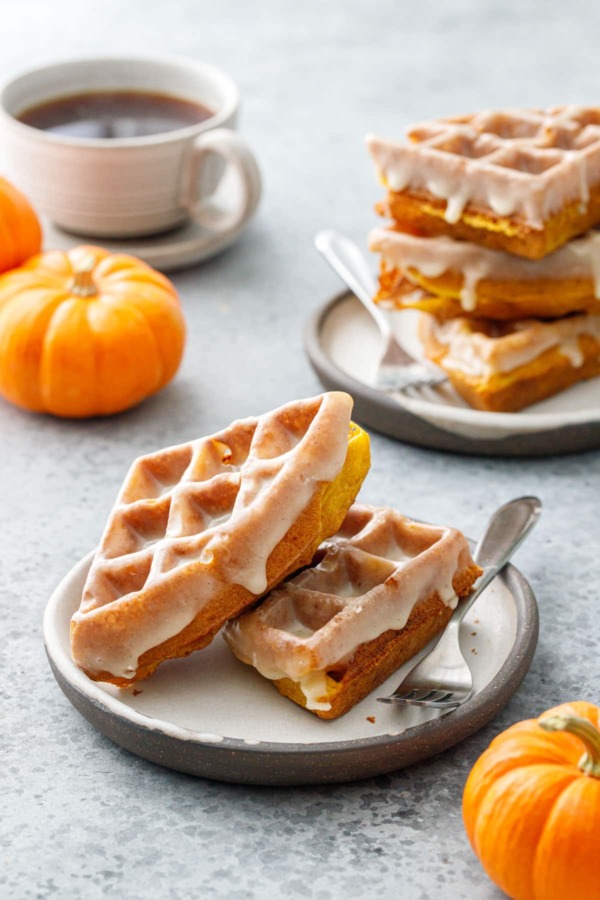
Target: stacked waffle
(491,236)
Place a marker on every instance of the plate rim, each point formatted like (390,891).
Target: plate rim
(456,726)
(510,423)
(187,245)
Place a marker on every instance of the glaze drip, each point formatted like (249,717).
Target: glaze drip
(511,345)
(436,256)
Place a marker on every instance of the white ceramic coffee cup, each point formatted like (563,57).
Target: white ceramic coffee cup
(137,186)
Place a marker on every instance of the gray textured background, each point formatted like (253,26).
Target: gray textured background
(82,818)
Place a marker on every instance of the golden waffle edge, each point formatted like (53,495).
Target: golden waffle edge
(460,278)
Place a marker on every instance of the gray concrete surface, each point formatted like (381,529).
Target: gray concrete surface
(80,817)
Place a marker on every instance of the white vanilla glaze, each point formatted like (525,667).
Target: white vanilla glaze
(314,687)
(367,583)
(434,256)
(277,480)
(261,518)
(528,164)
(202,737)
(476,353)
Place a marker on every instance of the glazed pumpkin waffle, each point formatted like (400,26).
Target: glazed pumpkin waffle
(199,531)
(506,366)
(524,181)
(374,596)
(457,277)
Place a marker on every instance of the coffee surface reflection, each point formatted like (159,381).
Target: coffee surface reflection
(112,115)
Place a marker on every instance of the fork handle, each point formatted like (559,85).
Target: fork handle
(348,261)
(504,534)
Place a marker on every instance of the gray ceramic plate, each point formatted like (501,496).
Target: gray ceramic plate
(342,344)
(212,716)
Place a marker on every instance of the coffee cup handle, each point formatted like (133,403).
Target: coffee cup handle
(235,153)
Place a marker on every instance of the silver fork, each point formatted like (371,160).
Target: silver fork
(442,679)
(396,368)
(422,389)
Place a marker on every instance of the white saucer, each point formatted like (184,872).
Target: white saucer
(342,343)
(212,716)
(187,245)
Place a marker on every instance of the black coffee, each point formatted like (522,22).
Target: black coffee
(114,114)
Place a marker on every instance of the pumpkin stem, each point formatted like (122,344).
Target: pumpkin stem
(82,284)
(586,732)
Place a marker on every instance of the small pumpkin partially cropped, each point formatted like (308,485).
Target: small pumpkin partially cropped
(20,232)
(531,806)
(87,333)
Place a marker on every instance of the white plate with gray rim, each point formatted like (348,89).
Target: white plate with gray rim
(342,344)
(212,716)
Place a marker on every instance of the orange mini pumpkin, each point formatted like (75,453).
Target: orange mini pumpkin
(86,333)
(20,232)
(531,806)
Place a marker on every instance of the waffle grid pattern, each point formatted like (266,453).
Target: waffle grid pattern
(529,164)
(529,142)
(359,566)
(173,501)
